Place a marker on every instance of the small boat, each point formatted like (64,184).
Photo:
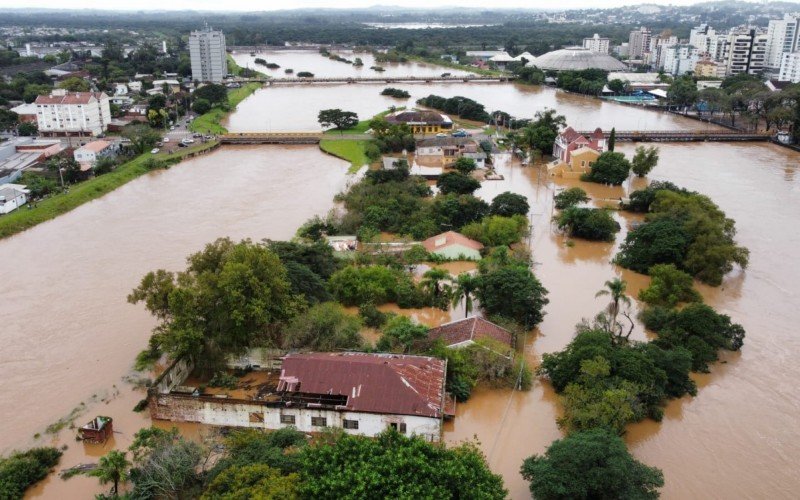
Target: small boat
(97,431)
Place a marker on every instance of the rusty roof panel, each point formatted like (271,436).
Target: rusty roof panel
(373,383)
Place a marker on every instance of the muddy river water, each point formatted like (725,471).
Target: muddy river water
(69,336)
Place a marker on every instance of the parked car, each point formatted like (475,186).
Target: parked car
(166,139)
(441,135)
(182,145)
(208,137)
(159,144)
(154,150)
(460,133)
(172,127)
(187,141)
(197,135)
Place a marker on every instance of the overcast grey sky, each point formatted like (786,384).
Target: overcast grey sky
(249,5)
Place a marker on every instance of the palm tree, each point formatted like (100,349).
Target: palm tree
(616,290)
(112,468)
(465,287)
(432,282)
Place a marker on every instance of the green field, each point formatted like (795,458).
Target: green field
(50,208)
(363,125)
(209,123)
(352,151)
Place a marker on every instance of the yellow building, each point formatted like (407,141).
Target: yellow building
(706,68)
(422,121)
(580,162)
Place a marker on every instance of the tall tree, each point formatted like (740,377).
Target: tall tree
(342,120)
(229,295)
(615,289)
(466,285)
(142,137)
(612,139)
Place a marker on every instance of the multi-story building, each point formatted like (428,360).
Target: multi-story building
(680,59)
(708,68)
(597,44)
(704,38)
(656,51)
(747,52)
(64,113)
(790,68)
(208,56)
(638,43)
(783,36)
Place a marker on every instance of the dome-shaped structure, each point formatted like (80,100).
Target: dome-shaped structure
(576,59)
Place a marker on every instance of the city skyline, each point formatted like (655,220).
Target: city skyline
(244,5)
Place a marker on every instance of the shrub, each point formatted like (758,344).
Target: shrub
(21,470)
(496,230)
(610,168)
(458,183)
(570,197)
(668,287)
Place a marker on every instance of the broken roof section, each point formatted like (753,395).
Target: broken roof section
(372,383)
(469,330)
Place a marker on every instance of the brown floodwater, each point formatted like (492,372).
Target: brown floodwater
(69,334)
(68,331)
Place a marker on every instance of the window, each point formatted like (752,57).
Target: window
(401,427)
(350,424)
(287,419)
(319,421)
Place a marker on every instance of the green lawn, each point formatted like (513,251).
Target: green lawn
(363,125)
(352,151)
(209,123)
(50,208)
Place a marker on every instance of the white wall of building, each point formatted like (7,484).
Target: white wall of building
(208,56)
(597,44)
(790,68)
(782,37)
(91,117)
(12,196)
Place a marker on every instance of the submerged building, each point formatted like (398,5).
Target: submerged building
(360,393)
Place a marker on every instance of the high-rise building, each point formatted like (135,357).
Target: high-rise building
(638,43)
(208,56)
(790,68)
(655,53)
(747,52)
(597,44)
(703,37)
(680,59)
(783,36)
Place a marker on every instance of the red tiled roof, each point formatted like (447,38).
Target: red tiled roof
(473,328)
(598,134)
(68,98)
(569,134)
(450,238)
(373,383)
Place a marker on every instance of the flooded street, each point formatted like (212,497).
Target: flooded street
(69,333)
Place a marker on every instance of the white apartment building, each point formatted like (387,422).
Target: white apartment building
(208,56)
(680,59)
(747,52)
(658,44)
(783,36)
(704,38)
(638,43)
(64,113)
(597,44)
(790,68)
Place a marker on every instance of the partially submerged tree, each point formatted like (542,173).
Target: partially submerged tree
(570,197)
(112,468)
(342,120)
(644,160)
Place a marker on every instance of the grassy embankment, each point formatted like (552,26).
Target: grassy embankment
(209,123)
(352,150)
(50,208)
(449,64)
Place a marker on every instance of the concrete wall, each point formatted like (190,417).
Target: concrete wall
(458,251)
(240,413)
(173,376)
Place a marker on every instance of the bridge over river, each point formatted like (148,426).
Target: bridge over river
(684,136)
(379,79)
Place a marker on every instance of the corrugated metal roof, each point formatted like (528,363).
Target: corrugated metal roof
(373,383)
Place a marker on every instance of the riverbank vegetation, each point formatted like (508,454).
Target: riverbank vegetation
(396,93)
(23,469)
(210,122)
(352,150)
(461,107)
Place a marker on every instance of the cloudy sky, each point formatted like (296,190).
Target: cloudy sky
(249,5)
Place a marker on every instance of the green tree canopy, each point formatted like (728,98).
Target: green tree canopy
(644,160)
(513,292)
(215,94)
(610,168)
(229,295)
(75,84)
(587,465)
(395,466)
(465,165)
(142,137)
(342,120)
(324,327)
(23,469)
(400,334)
(588,223)
(457,183)
(508,204)
(570,197)
(495,230)
(669,286)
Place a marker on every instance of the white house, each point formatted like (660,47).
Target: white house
(64,113)
(121,89)
(360,393)
(135,86)
(12,196)
(88,154)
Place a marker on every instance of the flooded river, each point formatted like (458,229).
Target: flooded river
(69,334)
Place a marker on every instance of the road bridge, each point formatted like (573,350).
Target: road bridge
(271,138)
(390,79)
(684,136)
